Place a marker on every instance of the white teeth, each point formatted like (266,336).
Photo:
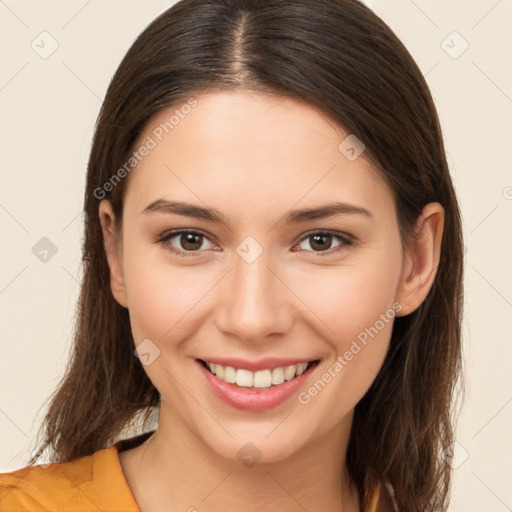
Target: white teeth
(230,374)
(219,371)
(261,379)
(244,378)
(301,368)
(277,376)
(289,372)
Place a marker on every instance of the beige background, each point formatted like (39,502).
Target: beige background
(48,108)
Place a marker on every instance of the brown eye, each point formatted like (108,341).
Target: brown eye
(322,242)
(190,241)
(185,243)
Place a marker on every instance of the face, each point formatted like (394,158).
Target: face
(260,283)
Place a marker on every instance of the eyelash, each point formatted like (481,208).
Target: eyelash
(347,241)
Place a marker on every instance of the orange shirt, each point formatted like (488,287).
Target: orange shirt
(92,483)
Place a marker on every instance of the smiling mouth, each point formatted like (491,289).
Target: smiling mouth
(261,379)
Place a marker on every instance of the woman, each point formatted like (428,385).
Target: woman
(272,262)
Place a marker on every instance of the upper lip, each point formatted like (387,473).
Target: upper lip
(262,364)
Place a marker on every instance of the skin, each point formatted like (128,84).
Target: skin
(254,158)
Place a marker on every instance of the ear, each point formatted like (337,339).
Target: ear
(113,250)
(421,259)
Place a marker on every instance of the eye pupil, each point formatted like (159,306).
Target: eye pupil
(322,239)
(188,239)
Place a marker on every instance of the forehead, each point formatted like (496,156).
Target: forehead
(248,150)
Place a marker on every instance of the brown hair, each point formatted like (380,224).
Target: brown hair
(338,56)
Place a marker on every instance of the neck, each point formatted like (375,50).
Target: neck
(174,470)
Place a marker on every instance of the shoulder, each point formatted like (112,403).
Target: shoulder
(88,483)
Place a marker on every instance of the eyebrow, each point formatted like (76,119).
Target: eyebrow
(292,217)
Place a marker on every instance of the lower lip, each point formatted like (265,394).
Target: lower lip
(251,399)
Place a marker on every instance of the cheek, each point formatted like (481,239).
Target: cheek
(348,299)
(354,315)
(354,312)
(163,298)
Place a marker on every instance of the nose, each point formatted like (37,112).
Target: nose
(254,302)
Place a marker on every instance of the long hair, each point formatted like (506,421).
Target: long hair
(341,58)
